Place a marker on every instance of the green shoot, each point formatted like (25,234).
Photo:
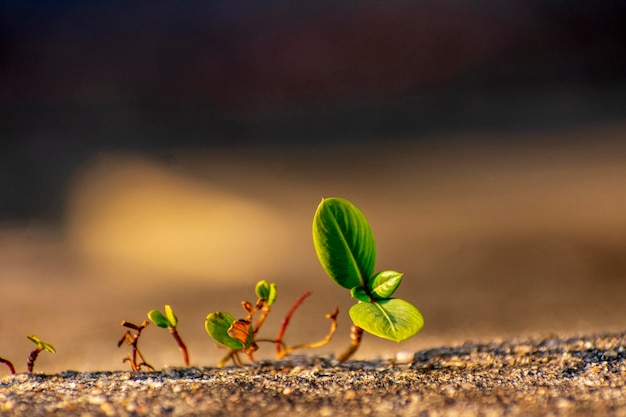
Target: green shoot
(345,247)
(41,346)
(239,335)
(170,321)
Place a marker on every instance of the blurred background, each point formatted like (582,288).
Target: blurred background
(175,152)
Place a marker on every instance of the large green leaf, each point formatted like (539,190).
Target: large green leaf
(392,319)
(384,284)
(344,242)
(217,325)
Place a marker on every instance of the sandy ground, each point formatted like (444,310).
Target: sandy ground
(521,377)
(497,236)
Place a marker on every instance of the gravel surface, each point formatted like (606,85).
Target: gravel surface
(575,377)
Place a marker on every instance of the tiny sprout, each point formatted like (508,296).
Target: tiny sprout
(239,335)
(9,365)
(170,321)
(132,340)
(41,346)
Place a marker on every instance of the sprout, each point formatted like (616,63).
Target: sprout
(345,247)
(41,346)
(170,321)
(132,340)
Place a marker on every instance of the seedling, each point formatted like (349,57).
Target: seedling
(345,247)
(170,321)
(41,346)
(239,335)
(132,339)
(9,365)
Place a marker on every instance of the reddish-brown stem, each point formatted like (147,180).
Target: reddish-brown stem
(264,312)
(32,358)
(9,364)
(356,334)
(181,345)
(333,327)
(133,340)
(283,327)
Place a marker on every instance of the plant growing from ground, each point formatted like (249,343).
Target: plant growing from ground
(132,340)
(170,321)
(41,346)
(9,365)
(239,335)
(345,247)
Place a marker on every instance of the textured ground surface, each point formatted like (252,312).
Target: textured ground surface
(574,377)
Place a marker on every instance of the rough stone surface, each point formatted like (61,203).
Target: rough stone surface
(582,376)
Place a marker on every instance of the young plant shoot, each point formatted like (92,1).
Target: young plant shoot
(41,346)
(170,321)
(239,335)
(132,340)
(345,247)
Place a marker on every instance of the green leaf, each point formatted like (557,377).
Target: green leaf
(392,319)
(344,242)
(360,294)
(266,291)
(171,316)
(158,318)
(217,325)
(384,284)
(48,347)
(34,339)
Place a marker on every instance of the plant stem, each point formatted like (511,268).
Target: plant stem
(9,364)
(264,312)
(181,345)
(283,327)
(32,358)
(356,334)
(333,327)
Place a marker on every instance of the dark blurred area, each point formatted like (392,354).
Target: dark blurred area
(79,77)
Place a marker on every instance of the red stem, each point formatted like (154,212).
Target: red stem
(181,345)
(283,327)
(32,358)
(8,364)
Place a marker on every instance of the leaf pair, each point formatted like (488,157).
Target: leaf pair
(345,247)
(41,345)
(169,320)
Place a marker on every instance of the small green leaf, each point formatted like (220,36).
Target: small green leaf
(169,313)
(217,325)
(34,339)
(48,347)
(384,284)
(392,319)
(360,294)
(266,291)
(41,345)
(344,242)
(158,318)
